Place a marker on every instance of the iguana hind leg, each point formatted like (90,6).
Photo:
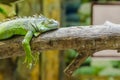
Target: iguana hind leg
(26,45)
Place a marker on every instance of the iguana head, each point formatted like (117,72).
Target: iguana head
(45,24)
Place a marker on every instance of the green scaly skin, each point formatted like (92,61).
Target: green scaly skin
(28,27)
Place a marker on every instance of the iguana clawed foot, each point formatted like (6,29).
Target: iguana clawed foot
(31,60)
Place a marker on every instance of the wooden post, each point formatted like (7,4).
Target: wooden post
(50,59)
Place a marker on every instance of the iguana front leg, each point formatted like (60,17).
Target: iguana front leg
(26,45)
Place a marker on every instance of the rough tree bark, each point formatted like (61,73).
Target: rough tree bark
(86,39)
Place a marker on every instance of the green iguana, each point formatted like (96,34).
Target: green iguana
(29,26)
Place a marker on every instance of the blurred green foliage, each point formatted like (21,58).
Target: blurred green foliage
(85,14)
(86,70)
(110,72)
(2,11)
(69,55)
(101,67)
(8,2)
(7,11)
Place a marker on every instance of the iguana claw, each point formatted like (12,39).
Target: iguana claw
(29,61)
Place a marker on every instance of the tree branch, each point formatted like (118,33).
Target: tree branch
(88,39)
(85,38)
